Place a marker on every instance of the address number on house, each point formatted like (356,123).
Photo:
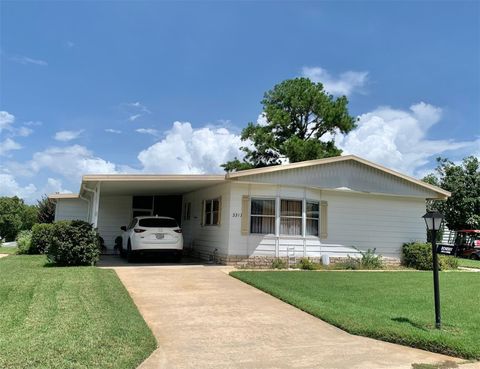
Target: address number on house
(236,215)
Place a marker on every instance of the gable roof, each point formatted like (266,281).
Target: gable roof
(338,159)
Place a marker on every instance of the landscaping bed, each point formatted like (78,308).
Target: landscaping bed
(391,306)
(76,317)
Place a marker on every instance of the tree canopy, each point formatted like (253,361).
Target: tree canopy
(46,210)
(15,216)
(462,209)
(298,113)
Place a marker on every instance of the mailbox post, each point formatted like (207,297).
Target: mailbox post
(433,220)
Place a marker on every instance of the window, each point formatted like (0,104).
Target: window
(212,212)
(312,214)
(262,216)
(187,210)
(157,223)
(291,217)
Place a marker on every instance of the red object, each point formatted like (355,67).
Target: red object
(138,230)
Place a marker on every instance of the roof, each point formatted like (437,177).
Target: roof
(63,196)
(336,159)
(187,182)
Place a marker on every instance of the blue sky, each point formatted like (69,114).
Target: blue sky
(167,86)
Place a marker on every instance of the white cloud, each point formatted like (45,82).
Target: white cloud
(24,131)
(26,60)
(53,185)
(397,138)
(70,162)
(65,136)
(111,130)
(345,84)
(8,145)
(10,187)
(6,120)
(148,131)
(185,149)
(134,117)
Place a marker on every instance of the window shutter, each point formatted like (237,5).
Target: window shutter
(202,215)
(323,219)
(245,230)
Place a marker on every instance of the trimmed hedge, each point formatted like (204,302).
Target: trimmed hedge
(74,243)
(41,238)
(419,256)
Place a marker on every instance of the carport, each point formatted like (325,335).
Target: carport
(113,200)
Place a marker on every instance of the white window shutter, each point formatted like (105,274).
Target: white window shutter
(245,229)
(323,219)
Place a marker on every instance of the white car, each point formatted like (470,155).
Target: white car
(152,234)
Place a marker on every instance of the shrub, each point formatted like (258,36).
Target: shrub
(348,264)
(278,263)
(74,243)
(418,255)
(41,238)
(24,242)
(307,264)
(370,260)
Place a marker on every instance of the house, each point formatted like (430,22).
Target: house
(330,206)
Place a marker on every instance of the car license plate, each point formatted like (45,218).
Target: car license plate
(159,236)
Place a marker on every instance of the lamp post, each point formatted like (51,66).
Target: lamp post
(433,220)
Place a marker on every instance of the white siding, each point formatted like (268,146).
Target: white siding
(113,212)
(71,209)
(271,245)
(348,174)
(373,221)
(205,239)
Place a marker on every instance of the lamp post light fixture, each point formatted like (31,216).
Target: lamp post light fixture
(433,221)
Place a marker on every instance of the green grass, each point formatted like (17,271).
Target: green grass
(391,306)
(469,263)
(8,250)
(75,317)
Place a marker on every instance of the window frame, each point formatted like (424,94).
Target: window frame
(274,216)
(187,210)
(311,218)
(208,217)
(280,216)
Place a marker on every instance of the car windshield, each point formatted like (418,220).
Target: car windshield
(157,223)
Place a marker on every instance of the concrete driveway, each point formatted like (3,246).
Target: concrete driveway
(203,318)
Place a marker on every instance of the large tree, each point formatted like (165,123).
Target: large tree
(462,209)
(298,113)
(46,210)
(15,216)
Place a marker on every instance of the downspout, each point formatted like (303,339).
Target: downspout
(87,200)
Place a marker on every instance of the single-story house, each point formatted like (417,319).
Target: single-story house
(330,206)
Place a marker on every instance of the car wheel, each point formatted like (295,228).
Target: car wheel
(129,252)
(122,251)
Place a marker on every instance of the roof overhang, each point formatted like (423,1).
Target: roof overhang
(150,184)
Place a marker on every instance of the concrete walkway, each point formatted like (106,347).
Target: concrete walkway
(203,318)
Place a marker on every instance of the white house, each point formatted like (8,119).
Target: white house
(329,206)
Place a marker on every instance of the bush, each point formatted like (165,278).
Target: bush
(307,264)
(348,264)
(370,260)
(41,238)
(24,242)
(74,243)
(418,255)
(279,264)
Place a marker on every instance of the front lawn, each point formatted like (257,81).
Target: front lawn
(75,317)
(468,263)
(391,306)
(8,250)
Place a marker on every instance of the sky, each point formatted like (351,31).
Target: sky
(166,87)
